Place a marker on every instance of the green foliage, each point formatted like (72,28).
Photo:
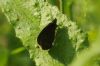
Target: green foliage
(12,53)
(71,47)
(28,27)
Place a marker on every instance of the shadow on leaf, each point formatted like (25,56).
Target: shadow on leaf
(62,50)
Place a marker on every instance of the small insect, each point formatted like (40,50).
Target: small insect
(47,35)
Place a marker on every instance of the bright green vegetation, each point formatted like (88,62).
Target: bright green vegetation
(77,34)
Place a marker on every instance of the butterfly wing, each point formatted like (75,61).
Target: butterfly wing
(46,36)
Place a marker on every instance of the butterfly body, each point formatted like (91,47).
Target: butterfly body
(47,35)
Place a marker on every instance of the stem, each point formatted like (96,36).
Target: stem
(61,9)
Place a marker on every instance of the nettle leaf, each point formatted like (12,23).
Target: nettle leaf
(30,17)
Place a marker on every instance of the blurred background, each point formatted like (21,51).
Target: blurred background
(86,13)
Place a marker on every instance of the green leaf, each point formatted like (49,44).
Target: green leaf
(29,17)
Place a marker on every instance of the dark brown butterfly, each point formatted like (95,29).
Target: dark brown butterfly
(47,35)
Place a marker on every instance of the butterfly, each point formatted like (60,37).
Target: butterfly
(47,35)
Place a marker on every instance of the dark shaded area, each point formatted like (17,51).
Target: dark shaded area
(14,42)
(85,44)
(55,3)
(19,59)
(62,50)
